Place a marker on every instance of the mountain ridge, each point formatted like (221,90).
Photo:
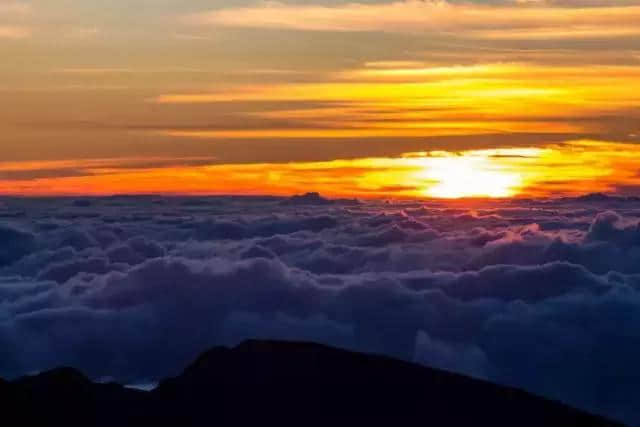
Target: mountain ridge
(289,383)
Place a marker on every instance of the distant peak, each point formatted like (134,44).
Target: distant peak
(260,344)
(595,196)
(311,198)
(64,374)
(314,198)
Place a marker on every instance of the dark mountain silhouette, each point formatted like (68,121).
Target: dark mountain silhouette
(284,383)
(601,198)
(315,199)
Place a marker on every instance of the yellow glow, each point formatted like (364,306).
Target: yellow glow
(468,175)
(438,100)
(571,168)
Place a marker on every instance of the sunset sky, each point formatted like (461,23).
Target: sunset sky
(493,147)
(366,99)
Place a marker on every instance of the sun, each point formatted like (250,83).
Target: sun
(472,175)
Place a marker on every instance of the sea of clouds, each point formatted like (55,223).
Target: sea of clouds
(543,295)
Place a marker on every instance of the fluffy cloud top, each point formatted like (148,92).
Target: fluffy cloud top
(540,295)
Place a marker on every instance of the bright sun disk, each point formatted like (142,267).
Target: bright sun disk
(461,176)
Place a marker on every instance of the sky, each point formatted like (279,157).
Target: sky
(356,99)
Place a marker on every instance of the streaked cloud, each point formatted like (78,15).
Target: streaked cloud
(15,8)
(436,16)
(84,33)
(93,70)
(436,100)
(13,20)
(13,32)
(52,169)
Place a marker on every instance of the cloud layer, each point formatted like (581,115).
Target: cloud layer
(540,295)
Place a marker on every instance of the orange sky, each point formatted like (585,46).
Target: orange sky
(338,97)
(573,168)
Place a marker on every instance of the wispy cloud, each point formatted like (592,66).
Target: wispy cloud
(84,33)
(15,8)
(123,70)
(436,100)
(93,71)
(83,168)
(12,16)
(504,21)
(12,32)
